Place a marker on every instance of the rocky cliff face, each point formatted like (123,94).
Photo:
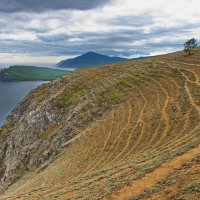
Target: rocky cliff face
(38,128)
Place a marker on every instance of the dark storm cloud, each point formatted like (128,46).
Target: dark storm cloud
(45,5)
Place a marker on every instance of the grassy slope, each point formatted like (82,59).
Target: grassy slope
(154,124)
(31,73)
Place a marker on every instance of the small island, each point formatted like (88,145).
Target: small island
(30,73)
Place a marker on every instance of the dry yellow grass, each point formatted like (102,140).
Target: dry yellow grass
(152,129)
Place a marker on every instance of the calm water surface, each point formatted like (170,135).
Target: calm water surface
(11,93)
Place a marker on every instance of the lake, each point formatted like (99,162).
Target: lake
(11,93)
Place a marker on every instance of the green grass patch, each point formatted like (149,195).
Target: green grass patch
(139,76)
(68,97)
(124,84)
(113,97)
(176,73)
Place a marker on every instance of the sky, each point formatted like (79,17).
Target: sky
(39,31)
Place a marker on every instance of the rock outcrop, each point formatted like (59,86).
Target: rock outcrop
(4,76)
(38,128)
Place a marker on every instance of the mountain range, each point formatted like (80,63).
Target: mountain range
(89,59)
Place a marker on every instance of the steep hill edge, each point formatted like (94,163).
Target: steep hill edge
(107,128)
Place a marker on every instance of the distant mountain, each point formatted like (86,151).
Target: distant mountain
(89,59)
(30,73)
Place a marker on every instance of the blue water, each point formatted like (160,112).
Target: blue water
(11,93)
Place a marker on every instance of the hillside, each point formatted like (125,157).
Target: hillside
(89,59)
(123,131)
(30,73)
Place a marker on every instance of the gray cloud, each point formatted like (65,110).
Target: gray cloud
(44,5)
(55,32)
(132,20)
(114,43)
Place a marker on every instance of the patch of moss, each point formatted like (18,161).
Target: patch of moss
(139,76)
(114,97)
(124,84)
(68,97)
(176,73)
(194,187)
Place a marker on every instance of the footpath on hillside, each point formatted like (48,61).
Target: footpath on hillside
(150,179)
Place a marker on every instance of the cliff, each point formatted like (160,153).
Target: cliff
(4,76)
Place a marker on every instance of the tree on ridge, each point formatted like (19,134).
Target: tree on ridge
(189,45)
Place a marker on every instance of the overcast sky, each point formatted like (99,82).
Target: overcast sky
(40,31)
